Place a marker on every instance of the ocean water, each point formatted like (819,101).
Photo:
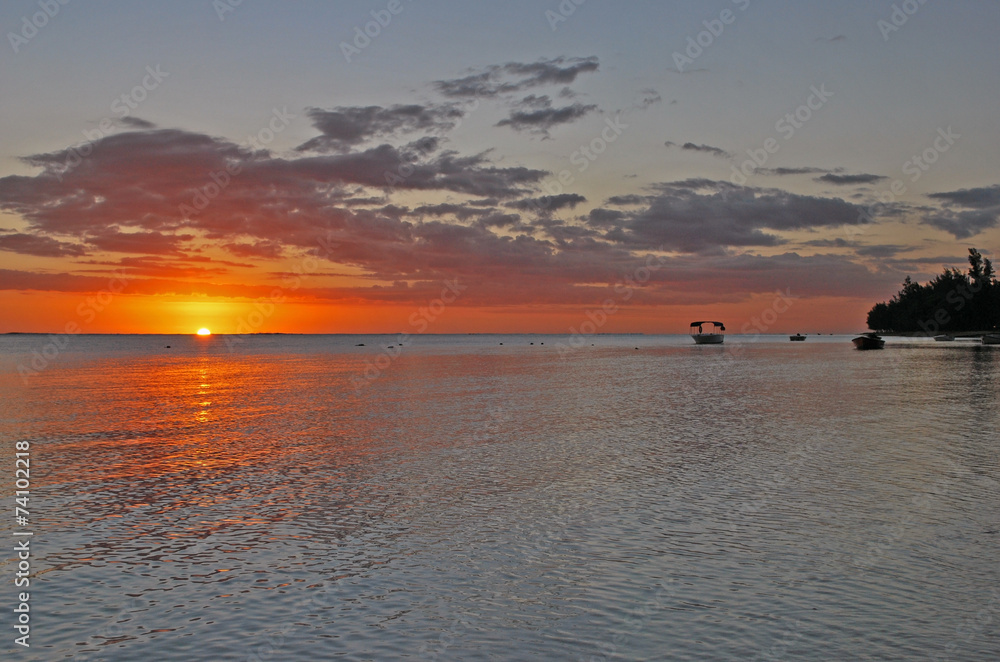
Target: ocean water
(634,498)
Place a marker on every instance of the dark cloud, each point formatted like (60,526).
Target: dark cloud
(268,249)
(536,114)
(698,215)
(347,126)
(647,97)
(708,149)
(115,241)
(41,246)
(881,250)
(626,200)
(548,203)
(136,123)
(791,171)
(517,76)
(967,211)
(844,180)
(963,225)
(838,242)
(971,198)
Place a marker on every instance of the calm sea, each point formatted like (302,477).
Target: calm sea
(634,498)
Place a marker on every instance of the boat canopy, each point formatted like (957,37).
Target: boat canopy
(720,325)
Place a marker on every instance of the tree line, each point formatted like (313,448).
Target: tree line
(951,303)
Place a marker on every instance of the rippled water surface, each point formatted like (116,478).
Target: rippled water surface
(302,498)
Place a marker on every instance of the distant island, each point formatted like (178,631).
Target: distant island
(951,303)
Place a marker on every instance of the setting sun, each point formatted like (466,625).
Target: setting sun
(204,332)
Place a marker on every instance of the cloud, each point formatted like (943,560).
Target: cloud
(700,215)
(536,114)
(967,212)
(971,198)
(41,246)
(882,250)
(347,126)
(843,180)
(708,149)
(646,97)
(135,123)
(963,225)
(517,76)
(781,172)
(548,203)
(267,249)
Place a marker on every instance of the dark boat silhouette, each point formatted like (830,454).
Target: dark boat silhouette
(869,341)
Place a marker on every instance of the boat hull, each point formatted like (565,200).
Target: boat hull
(708,338)
(797,338)
(991,339)
(864,342)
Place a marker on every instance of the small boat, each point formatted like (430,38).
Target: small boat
(713,337)
(944,338)
(797,336)
(991,339)
(869,341)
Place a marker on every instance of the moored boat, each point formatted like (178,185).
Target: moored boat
(991,339)
(944,338)
(869,341)
(714,337)
(797,336)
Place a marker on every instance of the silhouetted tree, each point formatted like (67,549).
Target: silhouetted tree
(952,302)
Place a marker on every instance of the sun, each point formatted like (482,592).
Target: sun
(204,332)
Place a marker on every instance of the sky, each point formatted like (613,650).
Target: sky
(435,166)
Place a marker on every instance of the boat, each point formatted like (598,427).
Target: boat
(797,336)
(944,338)
(713,337)
(991,339)
(869,341)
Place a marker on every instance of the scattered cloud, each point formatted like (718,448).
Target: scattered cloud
(844,180)
(647,97)
(698,215)
(781,172)
(548,203)
(708,149)
(517,76)
(347,126)
(967,212)
(536,114)
(39,245)
(136,123)
(973,198)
